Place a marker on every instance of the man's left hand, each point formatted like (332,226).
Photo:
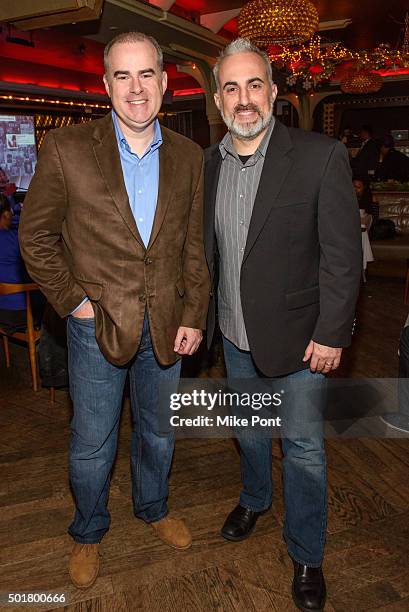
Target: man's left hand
(323,358)
(187,340)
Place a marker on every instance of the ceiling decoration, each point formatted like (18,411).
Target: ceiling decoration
(309,66)
(362,82)
(314,64)
(286,22)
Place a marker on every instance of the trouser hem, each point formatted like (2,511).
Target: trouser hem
(80,540)
(307,563)
(264,509)
(153,520)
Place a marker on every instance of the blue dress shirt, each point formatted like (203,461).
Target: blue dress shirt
(141,176)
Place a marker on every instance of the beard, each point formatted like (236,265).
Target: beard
(251,129)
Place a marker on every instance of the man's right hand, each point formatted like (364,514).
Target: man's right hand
(84,312)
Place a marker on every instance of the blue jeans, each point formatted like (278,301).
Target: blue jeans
(96,388)
(304,462)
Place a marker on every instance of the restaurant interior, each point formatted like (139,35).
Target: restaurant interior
(345,75)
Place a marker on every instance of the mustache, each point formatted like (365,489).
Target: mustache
(246,107)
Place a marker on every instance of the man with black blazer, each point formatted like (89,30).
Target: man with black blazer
(366,160)
(283,246)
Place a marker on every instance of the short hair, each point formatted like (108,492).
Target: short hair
(133,37)
(242,45)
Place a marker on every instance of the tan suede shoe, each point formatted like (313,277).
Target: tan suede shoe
(173,532)
(84,565)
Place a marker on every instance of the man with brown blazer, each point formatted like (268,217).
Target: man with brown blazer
(283,246)
(112,233)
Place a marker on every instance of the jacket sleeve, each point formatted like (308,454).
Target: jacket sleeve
(40,231)
(195,271)
(340,252)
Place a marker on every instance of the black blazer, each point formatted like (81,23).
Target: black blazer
(366,160)
(302,263)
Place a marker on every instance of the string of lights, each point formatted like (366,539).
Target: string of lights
(68,103)
(313,64)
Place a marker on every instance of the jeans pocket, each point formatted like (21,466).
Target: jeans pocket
(81,328)
(89,321)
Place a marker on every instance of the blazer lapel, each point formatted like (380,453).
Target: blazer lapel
(212,172)
(167,176)
(277,164)
(109,162)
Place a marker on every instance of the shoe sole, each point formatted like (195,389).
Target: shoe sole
(168,543)
(237,538)
(394,426)
(300,607)
(176,547)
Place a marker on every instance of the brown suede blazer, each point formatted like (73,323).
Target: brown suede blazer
(79,238)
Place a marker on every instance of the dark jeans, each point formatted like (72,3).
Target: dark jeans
(96,388)
(304,462)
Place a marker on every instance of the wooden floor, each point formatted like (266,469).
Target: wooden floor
(366,562)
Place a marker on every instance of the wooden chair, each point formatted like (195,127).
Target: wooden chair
(30,336)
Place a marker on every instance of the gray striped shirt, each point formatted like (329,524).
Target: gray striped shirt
(236,192)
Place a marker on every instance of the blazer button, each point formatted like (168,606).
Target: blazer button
(148,261)
(142,297)
(211,293)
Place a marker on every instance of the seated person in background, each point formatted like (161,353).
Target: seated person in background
(394,164)
(12,270)
(367,207)
(8,190)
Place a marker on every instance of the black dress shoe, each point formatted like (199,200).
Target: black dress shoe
(308,590)
(239,524)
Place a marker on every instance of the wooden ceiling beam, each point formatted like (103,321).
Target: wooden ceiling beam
(10,10)
(49,13)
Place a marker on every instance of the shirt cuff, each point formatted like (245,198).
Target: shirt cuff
(79,305)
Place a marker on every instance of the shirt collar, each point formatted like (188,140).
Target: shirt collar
(123,143)
(226,144)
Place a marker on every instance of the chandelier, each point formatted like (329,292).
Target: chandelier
(362,82)
(288,22)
